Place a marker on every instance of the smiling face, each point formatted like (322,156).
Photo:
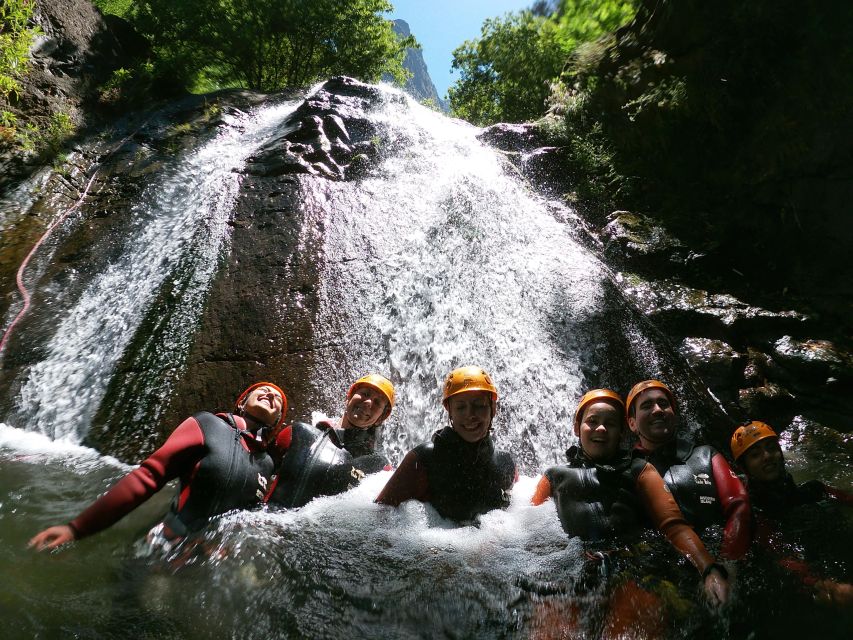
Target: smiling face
(653,418)
(600,431)
(471,414)
(365,408)
(264,404)
(763,461)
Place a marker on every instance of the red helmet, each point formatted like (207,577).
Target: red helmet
(245,394)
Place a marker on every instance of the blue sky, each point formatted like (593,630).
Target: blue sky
(442,25)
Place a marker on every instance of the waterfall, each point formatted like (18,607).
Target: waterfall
(178,232)
(444,257)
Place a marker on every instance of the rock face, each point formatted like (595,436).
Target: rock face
(78,50)
(420,85)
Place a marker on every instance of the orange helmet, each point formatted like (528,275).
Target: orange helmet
(638,388)
(382,384)
(596,395)
(747,435)
(251,388)
(468,379)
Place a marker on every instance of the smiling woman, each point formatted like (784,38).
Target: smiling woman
(221,461)
(459,472)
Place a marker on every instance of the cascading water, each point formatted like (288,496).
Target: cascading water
(178,232)
(439,256)
(443,259)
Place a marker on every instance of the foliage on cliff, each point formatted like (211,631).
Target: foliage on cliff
(730,121)
(16,36)
(267,44)
(506,74)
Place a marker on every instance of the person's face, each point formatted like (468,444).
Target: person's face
(654,418)
(600,431)
(264,404)
(764,461)
(365,407)
(471,414)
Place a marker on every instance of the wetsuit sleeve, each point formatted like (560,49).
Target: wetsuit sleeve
(667,517)
(178,456)
(735,503)
(765,537)
(408,482)
(842,496)
(542,492)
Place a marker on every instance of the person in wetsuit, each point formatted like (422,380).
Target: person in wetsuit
(595,500)
(777,500)
(705,490)
(221,460)
(333,457)
(459,471)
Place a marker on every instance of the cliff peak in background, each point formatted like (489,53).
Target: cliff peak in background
(420,85)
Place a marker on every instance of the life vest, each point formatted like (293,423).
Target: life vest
(466,479)
(688,474)
(228,477)
(594,501)
(317,464)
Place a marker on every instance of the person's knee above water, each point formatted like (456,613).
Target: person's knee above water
(338,454)
(459,471)
(594,491)
(775,497)
(700,481)
(221,460)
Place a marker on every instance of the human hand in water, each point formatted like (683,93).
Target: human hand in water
(831,592)
(717,588)
(52,538)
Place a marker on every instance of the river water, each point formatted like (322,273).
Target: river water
(441,256)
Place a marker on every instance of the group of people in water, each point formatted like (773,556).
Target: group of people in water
(604,494)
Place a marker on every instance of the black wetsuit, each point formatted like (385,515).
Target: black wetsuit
(594,501)
(319,463)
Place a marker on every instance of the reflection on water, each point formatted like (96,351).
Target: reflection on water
(340,566)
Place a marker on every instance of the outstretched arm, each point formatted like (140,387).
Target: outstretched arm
(667,517)
(734,501)
(178,455)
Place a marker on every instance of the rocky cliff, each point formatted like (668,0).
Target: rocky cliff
(420,85)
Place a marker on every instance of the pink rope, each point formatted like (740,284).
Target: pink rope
(20,276)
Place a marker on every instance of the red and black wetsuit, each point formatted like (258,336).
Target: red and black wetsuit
(594,501)
(774,503)
(317,463)
(703,491)
(220,465)
(462,480)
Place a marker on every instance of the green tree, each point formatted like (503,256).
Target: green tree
(270,44)
(507,73)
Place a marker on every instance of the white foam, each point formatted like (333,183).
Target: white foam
(35,448)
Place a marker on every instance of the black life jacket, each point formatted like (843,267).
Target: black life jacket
(228,477)
(466,479)
(594,501)
(688,474)
(317,464)
(777,499)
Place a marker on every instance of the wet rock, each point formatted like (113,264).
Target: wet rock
(819,360)
(769,403)
(717,363)
(513,137)
(683,311)
(636,240)
(324,134)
